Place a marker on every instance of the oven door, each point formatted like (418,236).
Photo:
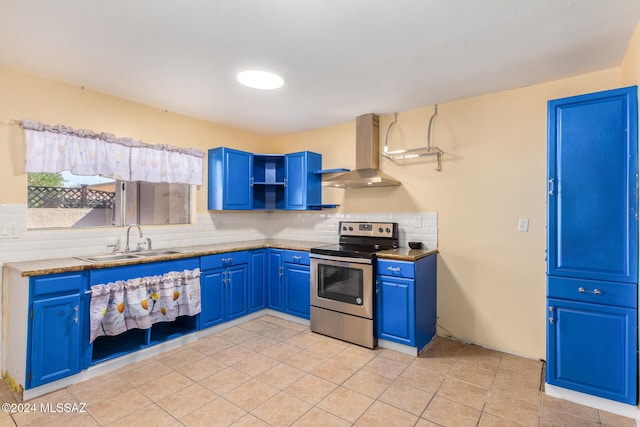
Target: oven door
(342,284)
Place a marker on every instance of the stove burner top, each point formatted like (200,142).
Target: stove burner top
(346,250)
(361,240)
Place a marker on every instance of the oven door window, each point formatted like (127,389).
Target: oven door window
(340,283)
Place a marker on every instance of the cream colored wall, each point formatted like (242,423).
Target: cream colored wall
(491,278)
(52,102)
(630,68)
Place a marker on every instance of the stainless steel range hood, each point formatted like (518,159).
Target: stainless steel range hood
(366,173)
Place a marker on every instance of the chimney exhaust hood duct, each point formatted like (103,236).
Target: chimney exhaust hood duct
(366,173)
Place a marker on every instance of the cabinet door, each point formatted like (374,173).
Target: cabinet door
(303,187)
(257,277)
(236,290)
(229,179)
(591,348)
(55,339)
(212,298)
(297,280)
(238,169)
(592,193)
(395,309)
(275,282)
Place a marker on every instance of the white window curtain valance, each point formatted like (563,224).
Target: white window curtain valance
(53,149)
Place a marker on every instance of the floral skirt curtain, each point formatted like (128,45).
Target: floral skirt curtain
(139,303)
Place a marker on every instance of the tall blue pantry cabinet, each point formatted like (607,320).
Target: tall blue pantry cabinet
(592,244)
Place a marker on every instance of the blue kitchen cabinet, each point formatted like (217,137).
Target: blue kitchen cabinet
(592,203)
(56,327)
(289,282)
(212,298)
(592,348)
(275,282)
(229,179)
(257,278)
(592,244)
(396,313)
(224,286)
(304,187)
(406,301)
(238,180)
(297,284)
(236,291)
(268,181)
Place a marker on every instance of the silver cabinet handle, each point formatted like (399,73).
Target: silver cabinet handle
(75,318)
(281,271)
(551,185)
(586,291)
(551,314)
(394,269)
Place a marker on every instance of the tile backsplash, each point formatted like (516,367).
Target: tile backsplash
(210,227)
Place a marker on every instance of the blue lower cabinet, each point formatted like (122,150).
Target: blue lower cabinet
(289,282)
(55,339)
(297,289)
(56,325)
(236,291)
(212,298)
(275,282)
(223,287)
(591,348)
(406,301)
(258,263)
(395,300)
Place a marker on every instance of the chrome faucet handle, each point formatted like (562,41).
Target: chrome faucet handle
(114,246)
(148,243)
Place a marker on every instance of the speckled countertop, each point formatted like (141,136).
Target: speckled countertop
(406,254)
(62,265)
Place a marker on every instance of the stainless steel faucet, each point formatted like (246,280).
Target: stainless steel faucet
(126,248)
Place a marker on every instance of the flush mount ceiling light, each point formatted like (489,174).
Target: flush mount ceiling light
(260,79)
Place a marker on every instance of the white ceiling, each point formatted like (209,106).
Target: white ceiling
(339,58)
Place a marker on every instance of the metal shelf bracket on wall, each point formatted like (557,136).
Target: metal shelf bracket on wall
(415,152)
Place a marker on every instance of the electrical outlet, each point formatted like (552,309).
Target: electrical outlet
(523,224)
(9,231)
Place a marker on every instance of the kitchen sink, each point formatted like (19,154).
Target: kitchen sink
(130,255)
(107,258)
(157,253)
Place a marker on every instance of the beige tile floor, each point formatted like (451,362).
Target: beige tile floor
(272,372)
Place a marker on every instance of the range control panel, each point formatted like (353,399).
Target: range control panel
(369,229)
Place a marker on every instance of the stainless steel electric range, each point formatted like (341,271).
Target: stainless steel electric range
(342,281)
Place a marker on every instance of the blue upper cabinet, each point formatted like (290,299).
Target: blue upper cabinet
(230,176)
(242,181)
(592,186)
(303,189)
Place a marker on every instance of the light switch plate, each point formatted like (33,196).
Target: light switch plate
(523,224)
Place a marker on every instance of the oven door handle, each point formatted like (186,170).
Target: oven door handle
(341,259)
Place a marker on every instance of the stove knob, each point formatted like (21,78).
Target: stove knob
(344,228)
(350,228)
(388,230)
(380,230)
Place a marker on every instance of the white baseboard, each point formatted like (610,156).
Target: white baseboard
(623,409)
